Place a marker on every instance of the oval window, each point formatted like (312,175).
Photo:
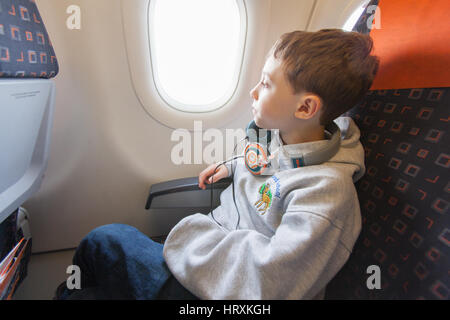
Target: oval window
(196,51)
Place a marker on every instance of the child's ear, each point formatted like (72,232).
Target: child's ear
(309,105)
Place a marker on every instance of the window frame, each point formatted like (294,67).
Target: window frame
(236,75)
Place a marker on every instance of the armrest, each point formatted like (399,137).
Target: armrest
(180,185)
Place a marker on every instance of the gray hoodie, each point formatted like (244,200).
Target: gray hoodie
(297,228)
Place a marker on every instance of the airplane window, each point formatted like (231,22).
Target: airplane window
(351,21)
(196,51)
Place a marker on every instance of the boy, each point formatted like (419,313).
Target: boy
(296,227)
(297,242)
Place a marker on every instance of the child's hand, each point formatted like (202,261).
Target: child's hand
(208,174)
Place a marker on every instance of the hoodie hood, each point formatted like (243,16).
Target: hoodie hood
(350,152)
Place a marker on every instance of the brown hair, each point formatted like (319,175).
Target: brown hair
(332,63)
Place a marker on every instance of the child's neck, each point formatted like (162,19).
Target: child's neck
(308,135)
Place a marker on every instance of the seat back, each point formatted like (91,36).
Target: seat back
(27,61)
(26,54)
(404,195)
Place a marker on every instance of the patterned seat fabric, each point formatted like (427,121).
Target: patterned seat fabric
(25,48)
(404,196)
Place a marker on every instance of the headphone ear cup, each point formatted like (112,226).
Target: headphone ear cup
(255,157)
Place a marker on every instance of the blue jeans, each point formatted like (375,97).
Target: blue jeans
(117,261)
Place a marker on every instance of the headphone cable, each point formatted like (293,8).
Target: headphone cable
(232,179)
(232,182)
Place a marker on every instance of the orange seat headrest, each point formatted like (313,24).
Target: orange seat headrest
(413,44)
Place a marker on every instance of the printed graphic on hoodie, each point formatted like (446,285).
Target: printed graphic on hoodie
(265,195)
(266,198)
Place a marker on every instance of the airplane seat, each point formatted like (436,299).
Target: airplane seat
(403,248)
(27,62)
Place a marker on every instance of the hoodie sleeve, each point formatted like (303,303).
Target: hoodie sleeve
(214,263)
(228,165)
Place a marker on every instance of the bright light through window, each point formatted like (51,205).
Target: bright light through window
(197,48)
(351,21)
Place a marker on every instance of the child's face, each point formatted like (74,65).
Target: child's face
(274,103)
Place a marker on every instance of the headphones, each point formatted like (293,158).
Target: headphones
(258,158)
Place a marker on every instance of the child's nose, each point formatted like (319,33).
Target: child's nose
(254,93)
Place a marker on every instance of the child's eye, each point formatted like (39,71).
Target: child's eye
(264,84)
